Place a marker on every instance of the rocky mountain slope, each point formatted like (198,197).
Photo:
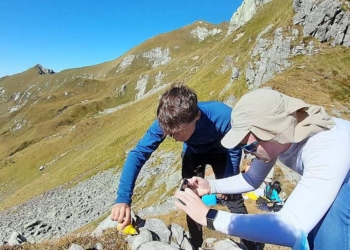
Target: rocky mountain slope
(64,136)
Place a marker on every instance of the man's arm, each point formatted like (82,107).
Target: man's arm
(242,183)
(135,161)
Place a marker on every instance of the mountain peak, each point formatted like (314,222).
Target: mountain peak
(43,71)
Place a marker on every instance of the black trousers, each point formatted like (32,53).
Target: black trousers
(194,165)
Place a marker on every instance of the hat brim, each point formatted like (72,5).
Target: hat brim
(233,138)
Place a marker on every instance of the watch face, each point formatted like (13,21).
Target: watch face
(212,214)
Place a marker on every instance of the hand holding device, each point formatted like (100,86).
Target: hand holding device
(184,185)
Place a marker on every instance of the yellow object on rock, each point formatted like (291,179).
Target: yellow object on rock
(128,230)
(252,196)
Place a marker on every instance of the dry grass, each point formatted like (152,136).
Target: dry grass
(110,240)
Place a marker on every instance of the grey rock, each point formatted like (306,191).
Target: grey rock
(75,247)
(31,239)
(250,74)
(226,245)
(143,237)
(173,244)
(130,239)
(324,20)
(227,65)
(51,215)
(157,245)
(177,233)
(160,230)
(271,59)
(209,242)
(105,224)
(201,33)
(64,210)
(336,112)
(67,209)
(42,71)
(186,245)
(244,13)
(289,174)
(157,56)
(230,101)
(297,5)
(98,246)
(16,239)
(234,73)
(32,224)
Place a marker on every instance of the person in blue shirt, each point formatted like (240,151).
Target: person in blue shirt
(272,192)
(201,127)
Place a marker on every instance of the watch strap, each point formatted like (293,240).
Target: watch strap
(211,215)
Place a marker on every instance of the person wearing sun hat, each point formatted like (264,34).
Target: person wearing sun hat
(271,126)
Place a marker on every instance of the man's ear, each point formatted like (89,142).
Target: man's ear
(198,115)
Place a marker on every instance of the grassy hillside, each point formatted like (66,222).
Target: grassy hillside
(60,129)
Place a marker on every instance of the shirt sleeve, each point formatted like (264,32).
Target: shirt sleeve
(326,164)
(135,161)
(253,226)
(245,182)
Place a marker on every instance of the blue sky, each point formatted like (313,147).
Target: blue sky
(67,34)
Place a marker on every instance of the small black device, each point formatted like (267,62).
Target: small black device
(211,215)
(184,185)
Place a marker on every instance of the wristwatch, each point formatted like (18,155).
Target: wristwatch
(211,215)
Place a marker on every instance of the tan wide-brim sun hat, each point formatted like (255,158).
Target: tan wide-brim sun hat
(271,115)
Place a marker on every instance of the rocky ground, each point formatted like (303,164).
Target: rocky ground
(61,211)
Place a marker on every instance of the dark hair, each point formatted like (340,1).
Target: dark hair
(277,186)
(177,106)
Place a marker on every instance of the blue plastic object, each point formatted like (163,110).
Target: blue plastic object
(209,199)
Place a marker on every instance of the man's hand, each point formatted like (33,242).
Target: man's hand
(121,212)
(199,185)
(222,196)
(192,205)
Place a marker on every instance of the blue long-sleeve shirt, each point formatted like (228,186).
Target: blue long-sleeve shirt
(213,124)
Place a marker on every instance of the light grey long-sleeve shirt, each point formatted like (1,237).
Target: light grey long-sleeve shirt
(323,160)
